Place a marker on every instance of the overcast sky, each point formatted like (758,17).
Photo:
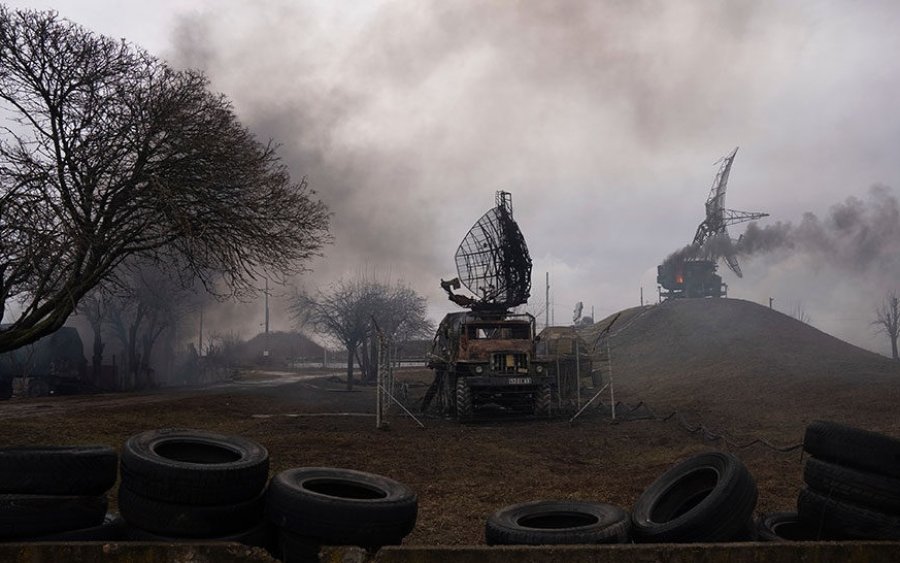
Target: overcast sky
(604,119)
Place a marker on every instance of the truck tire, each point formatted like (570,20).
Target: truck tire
(58,470)
(112,528)
(858,487)
(558,523)
(260,535)
(784,526)
(841,520)
(189,520)
(543,401)
(194,467)
(341,506)
(853,447)
(23,516)
(463,399)
(708,497)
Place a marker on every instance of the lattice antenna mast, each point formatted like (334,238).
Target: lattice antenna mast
(718,218)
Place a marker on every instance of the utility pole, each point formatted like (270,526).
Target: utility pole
(200,342)
(547,303)
(266,351)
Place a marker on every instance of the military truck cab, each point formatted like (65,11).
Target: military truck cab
(487,361)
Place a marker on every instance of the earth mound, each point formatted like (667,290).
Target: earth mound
(741,365)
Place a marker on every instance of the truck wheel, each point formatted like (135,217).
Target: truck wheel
(189,520)
(784,526)
(708,497)
(58,470)
(840,520)
(557,523)
(24,516)
(194,467)
(858,487)
(543,401)
(463,399)
(337,506)
(853,447)
(111,529)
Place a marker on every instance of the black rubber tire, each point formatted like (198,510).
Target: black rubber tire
(260,535)
(112,528)
(863,488)
(835,519)
(464,408)
(543,401)
(784,526)
(853,447)
(341,506)
(194,467)
(558,523)
(24,516)
(58,470)
(189,520)
(709,497)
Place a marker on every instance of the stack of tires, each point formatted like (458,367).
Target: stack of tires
(708,497)
(314,506)
(191,484)
(852,484)
(57,493)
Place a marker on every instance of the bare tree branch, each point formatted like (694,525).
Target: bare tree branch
(107,154)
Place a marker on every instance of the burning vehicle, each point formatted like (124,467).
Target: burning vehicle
(691,272)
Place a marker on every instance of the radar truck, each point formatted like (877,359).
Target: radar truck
(484,358)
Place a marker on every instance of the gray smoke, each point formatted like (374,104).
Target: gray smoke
(858,236)
(408,117)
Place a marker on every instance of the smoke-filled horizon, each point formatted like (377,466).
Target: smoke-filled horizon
(603,119)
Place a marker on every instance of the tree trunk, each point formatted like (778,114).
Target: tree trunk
(364,360)
(350,368)
(894,348)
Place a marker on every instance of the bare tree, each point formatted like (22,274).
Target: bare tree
(107,154)
(887,320)
(144,303)
(345,312)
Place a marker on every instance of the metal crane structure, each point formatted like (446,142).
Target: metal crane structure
(692,273)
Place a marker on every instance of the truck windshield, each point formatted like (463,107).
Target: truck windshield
(508,332)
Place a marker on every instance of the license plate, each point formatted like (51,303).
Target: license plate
(519,380)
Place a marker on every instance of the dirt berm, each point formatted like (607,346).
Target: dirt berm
(737,364)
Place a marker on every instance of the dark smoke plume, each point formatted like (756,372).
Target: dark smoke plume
(857,236)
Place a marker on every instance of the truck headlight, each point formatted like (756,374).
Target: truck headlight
(539,369)
(479,369)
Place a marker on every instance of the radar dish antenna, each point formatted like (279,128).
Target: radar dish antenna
(493,262)
(718,218)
